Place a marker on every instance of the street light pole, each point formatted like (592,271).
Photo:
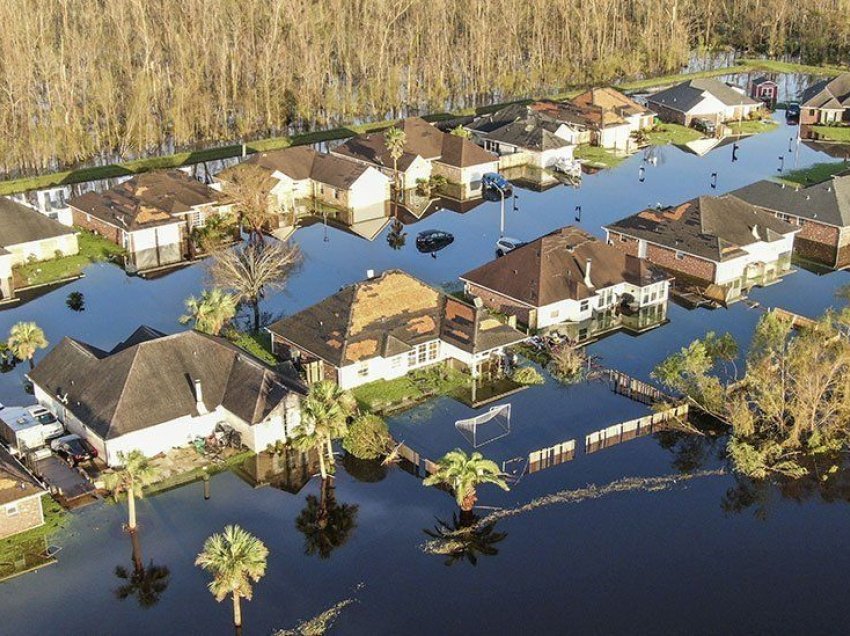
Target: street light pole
(502,211)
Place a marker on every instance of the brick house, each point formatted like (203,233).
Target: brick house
(721,244)
(704,99)
(827,102)
(20,497)
(151,216)
(571,282)
(385,326)
(821,211)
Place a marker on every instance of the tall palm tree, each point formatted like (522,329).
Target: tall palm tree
(236,559)
(135,473)
(463,474)
(394,140)
(146,583)
(309,436)
(329,407)
(325,524)
(25,338)
(211,312)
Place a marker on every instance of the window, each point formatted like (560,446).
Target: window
(197,218)
(397,360)
(585,304)
(363,369)
(680,255)
(335,193)
(433,350)
(12,509)
(623,238)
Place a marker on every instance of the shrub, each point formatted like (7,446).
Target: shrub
(528,376)
(567,364)
(368,437)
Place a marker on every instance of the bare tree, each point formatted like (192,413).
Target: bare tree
(250,271)
(249,186)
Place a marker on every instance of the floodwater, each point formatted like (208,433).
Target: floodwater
(705,555)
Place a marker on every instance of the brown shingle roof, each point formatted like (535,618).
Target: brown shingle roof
(149,378)
(302,162)
(715,228)
(462,153)
(421,139)
(386,316)
(20,224)
(609,100)
(148,199)
(15,482)
(552,268)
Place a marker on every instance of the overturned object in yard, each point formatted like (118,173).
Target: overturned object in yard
(487,427)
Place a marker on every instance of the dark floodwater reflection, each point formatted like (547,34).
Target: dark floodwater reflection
(667,562)
(462,540)
(145,583)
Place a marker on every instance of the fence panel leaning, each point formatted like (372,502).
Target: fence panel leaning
(631,429)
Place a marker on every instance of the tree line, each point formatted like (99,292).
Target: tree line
(93,82)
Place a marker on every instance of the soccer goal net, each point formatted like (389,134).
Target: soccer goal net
(487,427)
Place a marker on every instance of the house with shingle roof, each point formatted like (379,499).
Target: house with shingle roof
(722,244)
(300,173)
(821,210)
(20,497)
(385,326)
(151,216)
(571,282)
(827,102)
(427,150)
(702,99)
(26,236)
(154,392)
(610,110)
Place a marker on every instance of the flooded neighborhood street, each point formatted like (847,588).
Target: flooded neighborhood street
(709,554)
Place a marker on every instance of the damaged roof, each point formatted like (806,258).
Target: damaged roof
(715,228)
(20,224)
(830,93)
(610,100)
(421,140)
(389,315)
(148,199)
(552,268)
(149,379)
(827,202)
(15,482)
(684,96)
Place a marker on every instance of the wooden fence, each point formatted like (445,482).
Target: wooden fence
(551,456)
(631,429)
(635,389)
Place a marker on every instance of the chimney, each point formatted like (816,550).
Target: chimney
(199,399)
(587,280)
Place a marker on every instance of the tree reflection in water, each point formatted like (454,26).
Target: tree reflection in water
(694,449)
(396,237)
(145,583)
(76,301)
(464,539)
(368,471)
(325,524)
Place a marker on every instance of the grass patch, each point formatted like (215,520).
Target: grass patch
(25,551)
(664,80)
(833,133)
(775,66)
(93,249)
(752,127)
(814,174)
(257,343)
(672,134)
(597,156)
(417,386)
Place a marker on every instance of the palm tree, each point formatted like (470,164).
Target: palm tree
(463,474)
(394,140)
(325,524)
(211,312)
(309,436)
(330,407)
(236,559)
(146,583)
(25,338)
(135,473)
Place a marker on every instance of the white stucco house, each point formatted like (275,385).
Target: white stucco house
(384,327)
(570,281)
(722,244)
(154,392)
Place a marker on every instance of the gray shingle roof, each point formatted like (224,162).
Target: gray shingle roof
(829,93)
(149,379)
(827,202)
(20,224)
(715,228)
(684,96)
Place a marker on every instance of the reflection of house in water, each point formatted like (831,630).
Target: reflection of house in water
(705,145)
(289,470)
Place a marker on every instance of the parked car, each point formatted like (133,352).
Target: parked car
(507,244)
(433,241)
(496,181)
(705,126)
(73,449)
(792,111)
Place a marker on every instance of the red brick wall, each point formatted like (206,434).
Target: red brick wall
(666,258)
(29,516)
(503,304)
(96,225)
(809,116)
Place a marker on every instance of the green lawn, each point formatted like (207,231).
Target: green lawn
(672,134)
(93,249)
(25,551)
(814,174)
(597,156)
(833,133)
(415,387)
(752,127)
(774,66)
(258,344)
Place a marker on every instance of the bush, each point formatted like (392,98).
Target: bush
(368,437)
(528,376)
(567,365)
